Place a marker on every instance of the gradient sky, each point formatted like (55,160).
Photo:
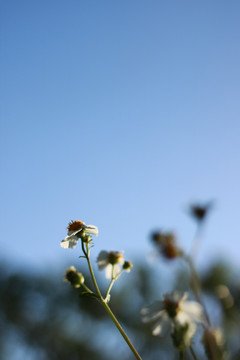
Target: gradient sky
(118,113)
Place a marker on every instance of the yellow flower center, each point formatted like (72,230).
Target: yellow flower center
(75,225)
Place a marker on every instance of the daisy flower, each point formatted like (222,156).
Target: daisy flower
(74,228)
(110,262)
(173,311)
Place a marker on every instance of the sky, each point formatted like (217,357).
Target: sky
(119,114)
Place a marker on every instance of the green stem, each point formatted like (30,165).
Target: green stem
(193,353)
(124,335)
(87,289)
(196,286)
(92,274)
(107,308)
(181,355)
(109,288)
(112,282)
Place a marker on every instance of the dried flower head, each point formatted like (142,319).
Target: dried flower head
(166,244)
(199,212)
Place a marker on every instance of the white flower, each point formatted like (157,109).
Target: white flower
(74,227)
(173,310)
(110,262)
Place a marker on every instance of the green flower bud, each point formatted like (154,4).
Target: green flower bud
(127,266)
(75,278)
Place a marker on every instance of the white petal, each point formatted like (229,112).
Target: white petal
(108,272)
(155,307)
(116,270)
(152,312)
(162,326)
(91,229)
(175,296)
(193,309)
(183,318)
(69,242)
(102,260)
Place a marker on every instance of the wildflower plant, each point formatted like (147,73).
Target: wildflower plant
(174,314)
(112,262)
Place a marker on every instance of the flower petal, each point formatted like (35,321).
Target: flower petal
(162,326)
(102,260)
(69,242)
(91,229)
(108,271)
(116,270)
(193,309)
(152,312)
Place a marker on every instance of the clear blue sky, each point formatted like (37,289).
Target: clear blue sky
(118,113)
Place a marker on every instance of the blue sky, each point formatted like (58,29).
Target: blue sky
(120,114)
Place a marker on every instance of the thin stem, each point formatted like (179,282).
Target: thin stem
(193,353)
(181,355)
(107,308)
(196,286)
(109,288)
(124,335)
(87,289)
(92,273)
(112,282)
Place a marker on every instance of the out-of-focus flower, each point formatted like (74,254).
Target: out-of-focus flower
(225,297)
(166,244)
(199,212)
(174,313)
(75,229)
(110,262)
(127,266)
(75,278)
(213,342)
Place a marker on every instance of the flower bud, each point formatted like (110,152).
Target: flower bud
(127,266)
(75,278)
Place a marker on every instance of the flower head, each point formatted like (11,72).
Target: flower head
(200,212)
(75,230)
(110,261)
(174,313)
(166,244)
(75,278)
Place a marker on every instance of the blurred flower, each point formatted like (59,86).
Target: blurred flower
(166,244)
(75,278)
(75,230)
(213,342)
(127,266)
(199,212)
(110,262)
(174,313)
